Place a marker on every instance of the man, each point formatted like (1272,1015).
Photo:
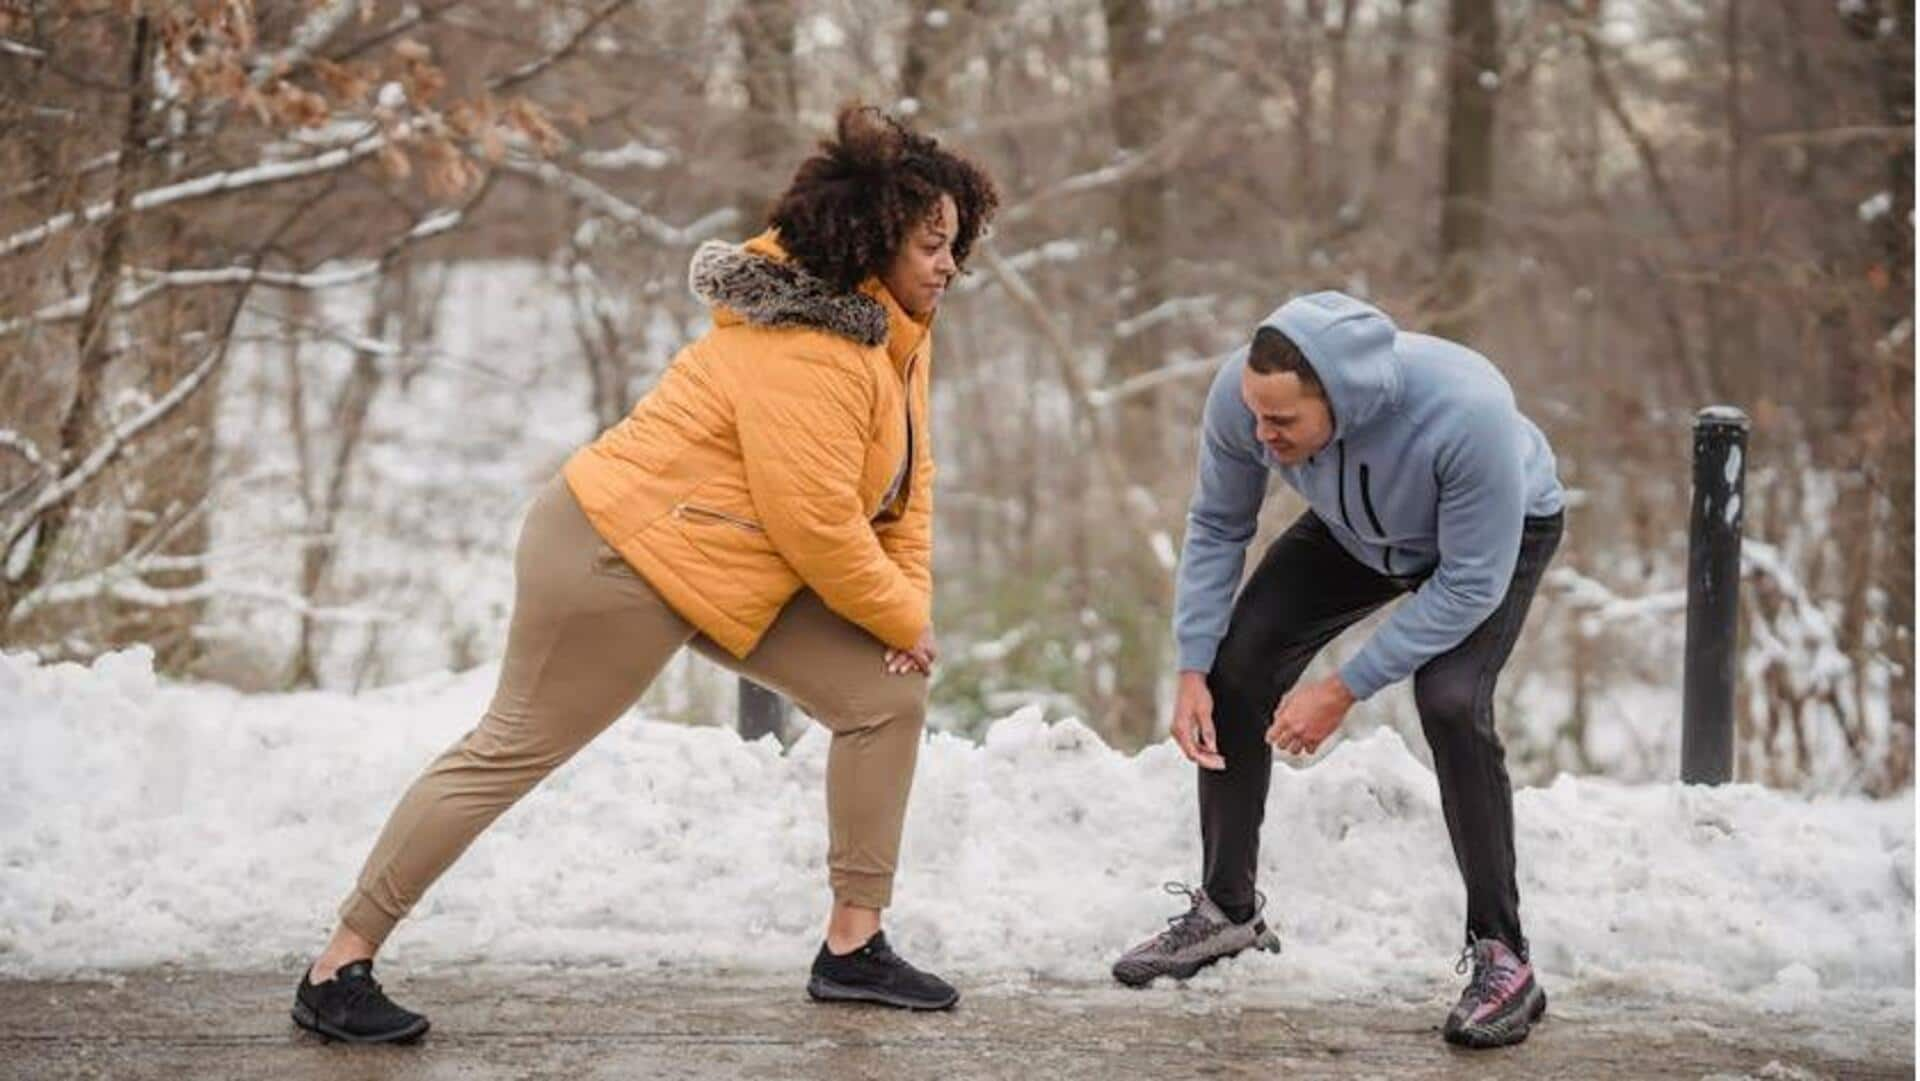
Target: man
(1421,476)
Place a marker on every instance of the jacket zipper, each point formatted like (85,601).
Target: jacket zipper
(905,492)
(689,510)
(1366,503)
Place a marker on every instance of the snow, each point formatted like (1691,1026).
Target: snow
(1164,552)
(819,34)
(1876,207)
(145,822)
(629,155)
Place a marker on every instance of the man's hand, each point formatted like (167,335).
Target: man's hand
(1193,722)
(1307,716)
(918,659)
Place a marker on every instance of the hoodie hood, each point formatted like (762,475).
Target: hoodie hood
(1350,344)
(757,283)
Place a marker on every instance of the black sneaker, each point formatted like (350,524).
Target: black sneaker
(352,1007)
(874,973)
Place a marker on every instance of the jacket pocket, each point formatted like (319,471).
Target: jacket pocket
(689,512)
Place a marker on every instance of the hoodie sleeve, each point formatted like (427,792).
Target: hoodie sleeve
(1482,511)
(1221,520)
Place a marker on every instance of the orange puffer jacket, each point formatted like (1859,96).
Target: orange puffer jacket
(759,463)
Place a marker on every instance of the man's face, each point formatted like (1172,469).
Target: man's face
(1291,419)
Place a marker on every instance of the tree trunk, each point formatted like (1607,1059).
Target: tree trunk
(1473,70)
(176,476)
(174,495)
(348,421)
(1386,139)
(1896,238)
(1139,603)
(79,424)
(766,31)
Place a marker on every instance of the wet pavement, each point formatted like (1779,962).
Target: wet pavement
(624,1023)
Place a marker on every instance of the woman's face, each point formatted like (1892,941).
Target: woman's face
(923,266)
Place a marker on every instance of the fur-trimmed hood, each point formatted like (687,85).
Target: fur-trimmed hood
(757,283)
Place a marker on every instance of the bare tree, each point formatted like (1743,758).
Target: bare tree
(1466,201)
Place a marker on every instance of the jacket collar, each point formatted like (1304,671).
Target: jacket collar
(757,283)
(904,332)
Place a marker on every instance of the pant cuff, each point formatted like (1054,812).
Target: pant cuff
(862,889)
(364,917)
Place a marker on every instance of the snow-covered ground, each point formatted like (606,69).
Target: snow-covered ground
(143,822)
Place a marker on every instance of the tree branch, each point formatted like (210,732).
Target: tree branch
(596,198)
(199,188)
(524,72)
(155,282)
(25,448)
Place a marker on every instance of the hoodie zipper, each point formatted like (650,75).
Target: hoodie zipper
(1366,503)
(1341,447)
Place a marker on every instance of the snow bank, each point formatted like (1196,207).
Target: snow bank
(148,823)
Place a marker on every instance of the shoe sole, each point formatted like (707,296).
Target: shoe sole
(307,1019)
(1144,974)
(1501,1033)
(1147,974)
(825,990)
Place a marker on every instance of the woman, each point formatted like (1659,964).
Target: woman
(768,502)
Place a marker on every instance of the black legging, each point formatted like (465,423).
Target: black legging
(1307,590)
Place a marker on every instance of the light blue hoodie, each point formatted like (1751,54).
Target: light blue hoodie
(1431,471)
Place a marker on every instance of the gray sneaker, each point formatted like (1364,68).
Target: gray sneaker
(1193,940)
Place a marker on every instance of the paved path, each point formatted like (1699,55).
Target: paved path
(574,1025)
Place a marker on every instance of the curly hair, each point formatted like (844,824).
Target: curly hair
(850,206)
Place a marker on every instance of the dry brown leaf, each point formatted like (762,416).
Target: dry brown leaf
(251,98)
(394,160)
(296,107)
(468,119)
(423,81)
(448,171)
(493,146)
(531,120)
(344,83)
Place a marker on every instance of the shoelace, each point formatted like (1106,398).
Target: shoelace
(357,990)
(1190,926)
(1484,975)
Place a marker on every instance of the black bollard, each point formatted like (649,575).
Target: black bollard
(1713,594)
(761,712)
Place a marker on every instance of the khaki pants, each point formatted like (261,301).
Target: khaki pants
(588,636)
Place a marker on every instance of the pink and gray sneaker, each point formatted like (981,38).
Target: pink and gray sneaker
(1501,1001)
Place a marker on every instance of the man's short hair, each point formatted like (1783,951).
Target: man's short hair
(1273,352)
